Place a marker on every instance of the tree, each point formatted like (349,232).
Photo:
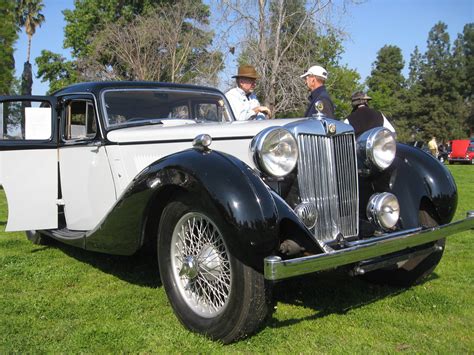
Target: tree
(88,17)
(283,38)
(8,36)
(91,22)
(91,16)
(169,45)
(30,18)
(386,83)
(57,70)
(408,127)
(442,103)
(464,64)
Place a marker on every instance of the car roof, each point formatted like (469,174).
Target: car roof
(97,87)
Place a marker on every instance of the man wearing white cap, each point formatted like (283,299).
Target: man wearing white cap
(315,78)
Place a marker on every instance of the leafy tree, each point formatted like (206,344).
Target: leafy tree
(8,36)
(283,39)
(56,69)
(29,17)
(92,21)
(386,83)
(407,126)
(442,103)
(165,46)
(464,64)
(88,17)
(91,16)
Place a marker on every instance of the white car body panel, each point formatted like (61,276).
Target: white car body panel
(30,181)
(128,159)
(94,174)
(87,186)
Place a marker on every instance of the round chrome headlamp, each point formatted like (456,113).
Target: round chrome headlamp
(383,210)
(378,146)
(274,151)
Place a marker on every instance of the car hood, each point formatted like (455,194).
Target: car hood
(187,130)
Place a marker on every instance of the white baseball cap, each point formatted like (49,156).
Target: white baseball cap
(316,70)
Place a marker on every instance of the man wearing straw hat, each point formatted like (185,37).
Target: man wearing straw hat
(242,98)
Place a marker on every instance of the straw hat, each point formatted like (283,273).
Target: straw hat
(246,71)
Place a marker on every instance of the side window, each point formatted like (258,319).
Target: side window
(207,112)
(80,120)
(181,111)
(25,120)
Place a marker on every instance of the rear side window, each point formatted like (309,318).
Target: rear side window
(25,120)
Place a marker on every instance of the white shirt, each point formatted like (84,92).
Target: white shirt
(243,106)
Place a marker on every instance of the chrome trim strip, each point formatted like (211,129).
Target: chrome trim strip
(276,269)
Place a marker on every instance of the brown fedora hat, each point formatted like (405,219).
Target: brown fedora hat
(246,71)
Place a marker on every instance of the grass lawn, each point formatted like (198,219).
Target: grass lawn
(61,299)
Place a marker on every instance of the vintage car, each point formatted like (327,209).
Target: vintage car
(229,207)
(462,151)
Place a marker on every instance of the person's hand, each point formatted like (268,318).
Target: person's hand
(263,109)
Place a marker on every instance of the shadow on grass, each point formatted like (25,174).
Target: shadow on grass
(139,269)
(326,293)
(330,293)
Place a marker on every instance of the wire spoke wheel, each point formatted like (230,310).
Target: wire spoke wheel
(201,265)
(212,291)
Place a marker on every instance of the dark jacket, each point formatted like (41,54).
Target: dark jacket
(320,94)
(364,118)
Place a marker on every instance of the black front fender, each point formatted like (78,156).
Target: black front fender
(416,176)
(222,181)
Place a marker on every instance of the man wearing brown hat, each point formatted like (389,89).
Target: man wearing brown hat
(362,117)
(242,98)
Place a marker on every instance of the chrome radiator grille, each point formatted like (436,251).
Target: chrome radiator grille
(327,176)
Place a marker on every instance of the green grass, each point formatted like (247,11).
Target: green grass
(61,299)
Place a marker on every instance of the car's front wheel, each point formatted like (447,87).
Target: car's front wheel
(211,291)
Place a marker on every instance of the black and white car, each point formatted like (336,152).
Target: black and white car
(229,207)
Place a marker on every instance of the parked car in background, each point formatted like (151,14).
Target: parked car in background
(462,151)
(443,152)
(228,207)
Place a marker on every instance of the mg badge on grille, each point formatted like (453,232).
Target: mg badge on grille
(331,128)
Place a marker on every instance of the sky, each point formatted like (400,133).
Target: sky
(371,25)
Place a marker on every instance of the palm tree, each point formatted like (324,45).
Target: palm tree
(30,18)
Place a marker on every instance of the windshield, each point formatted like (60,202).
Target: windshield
(153,106)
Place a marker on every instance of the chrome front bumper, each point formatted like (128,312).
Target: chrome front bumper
(276,269)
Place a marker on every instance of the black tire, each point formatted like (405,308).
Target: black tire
(212,292)
(415,270)
(37,238)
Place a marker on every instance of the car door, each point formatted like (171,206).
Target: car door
(87,186)
(28,161)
